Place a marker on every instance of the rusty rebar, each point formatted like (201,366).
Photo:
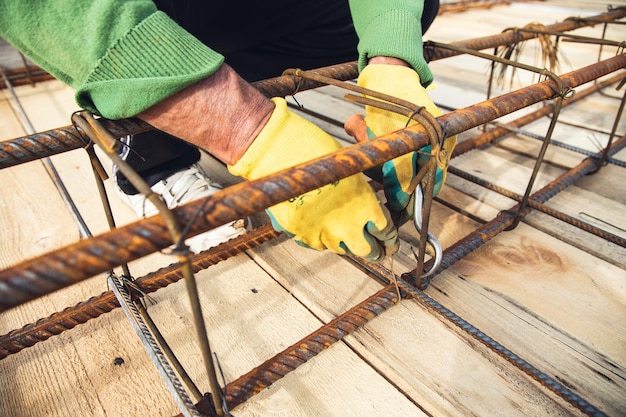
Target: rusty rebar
(55,324)
(498,132)
(69,318)
(51,142)
(506,218)
(300,352)
(45,328)
(49,272)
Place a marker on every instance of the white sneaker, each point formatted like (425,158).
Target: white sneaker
(190,184)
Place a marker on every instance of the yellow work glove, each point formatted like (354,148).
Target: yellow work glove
(397,174)
(344,217)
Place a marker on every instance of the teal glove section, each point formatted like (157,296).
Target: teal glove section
(344,217)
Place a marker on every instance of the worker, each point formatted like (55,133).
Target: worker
(184,67)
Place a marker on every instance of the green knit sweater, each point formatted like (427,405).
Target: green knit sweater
(124,56)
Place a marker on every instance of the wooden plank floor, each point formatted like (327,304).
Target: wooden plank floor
(551,293)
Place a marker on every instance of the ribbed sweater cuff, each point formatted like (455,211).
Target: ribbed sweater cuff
(156,59)
(396,33)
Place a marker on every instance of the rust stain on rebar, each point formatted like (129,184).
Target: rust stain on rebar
(55,324)
(47,273)
(51,142)
(300,352)
(506,218)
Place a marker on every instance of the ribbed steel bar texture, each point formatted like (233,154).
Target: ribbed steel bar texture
(507,218)
(297,354)
(51,142)
(610,237)
(159,359)
(28,148)
(499,132)
(70,317)
(47,273)
(45,328)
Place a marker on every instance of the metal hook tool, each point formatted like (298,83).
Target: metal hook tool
(431,238)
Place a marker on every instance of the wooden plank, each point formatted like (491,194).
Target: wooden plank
(608,182)
(25,208)
(411,347)
(604,213)
(75,374)
(557,306)
(524,286)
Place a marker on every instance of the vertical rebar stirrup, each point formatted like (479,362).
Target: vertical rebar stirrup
(561,92)
(96,132)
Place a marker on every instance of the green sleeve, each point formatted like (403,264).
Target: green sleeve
(391,28)
(121,56)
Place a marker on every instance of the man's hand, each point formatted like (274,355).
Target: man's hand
(402,82)
(345,217)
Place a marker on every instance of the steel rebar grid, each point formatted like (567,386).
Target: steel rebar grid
(47,273)
(506,218)
(143,322)
(51,142)
(70,317)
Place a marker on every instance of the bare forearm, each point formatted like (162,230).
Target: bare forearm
(387,60)
(221,114)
